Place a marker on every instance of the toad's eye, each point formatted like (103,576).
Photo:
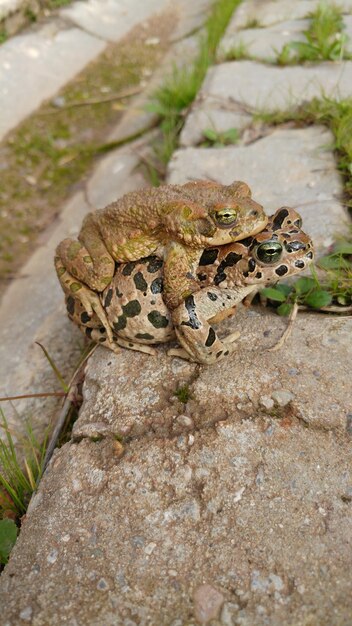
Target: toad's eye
(298,222)
(269,252)
(225,217)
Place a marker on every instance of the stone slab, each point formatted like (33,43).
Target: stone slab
(110,19)
(10,6)
(261,87)
(143,401)
(46,60)
(245,522)
(291,167)
(268,12)
(264,43)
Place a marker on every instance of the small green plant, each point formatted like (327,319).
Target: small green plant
(219,140)
(8,536)
(183,393)
(325,39)
(3,36)
(237,52)
(333,292)
(17,480)
(253,23)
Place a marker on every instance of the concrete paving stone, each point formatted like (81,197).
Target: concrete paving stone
(211,115)
(192,17)
(262,43)
(38,301)
(269,88)
(247,522)
(46,60)
(10,6)
(143,400)
(291,167)
(267,12)
(110,19)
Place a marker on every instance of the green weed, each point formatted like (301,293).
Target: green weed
(183,393)
(17,481)
(172,100)
(3,36)
(325,39)
(219,140)
(237,52)
(8,536)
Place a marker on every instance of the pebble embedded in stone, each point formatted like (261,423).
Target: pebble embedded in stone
(26,614)
(282,397)
(266,402)
(207,603)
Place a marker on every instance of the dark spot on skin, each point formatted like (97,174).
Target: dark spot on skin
(140,282)
(102,339)
(128,269)
(279,219)
(212,296)
(101,329)
(231,259)
(192,315)
(108,298)
(131,345)
(70,305)
(309,255)
(88,332)
(131,309)
(209,256)
(282,270)
(226,353)
(201,276)
(219,277)
(211,338)
(251,265)
(299,264)
(121,323)
(157,320)
(154,264)
(157,285)
(85,317)
(119,294)
(258,275)
(246,274)
(218,354)
(153,302)
(144,336)
(294,246)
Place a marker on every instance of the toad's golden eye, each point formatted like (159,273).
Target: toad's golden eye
(269,252)
(226,217)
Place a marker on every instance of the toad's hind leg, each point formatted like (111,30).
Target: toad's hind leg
(89,263)
(88,298)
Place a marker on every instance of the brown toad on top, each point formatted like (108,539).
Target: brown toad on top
(174,221)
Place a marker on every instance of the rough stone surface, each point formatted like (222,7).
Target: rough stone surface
(268,12)
(9,6)
(143,400)
(255,509)
(46,60)
(288,167)
(264,43)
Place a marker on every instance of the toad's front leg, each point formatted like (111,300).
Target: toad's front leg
(193,330)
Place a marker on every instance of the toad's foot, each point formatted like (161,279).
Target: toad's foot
(133,345)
